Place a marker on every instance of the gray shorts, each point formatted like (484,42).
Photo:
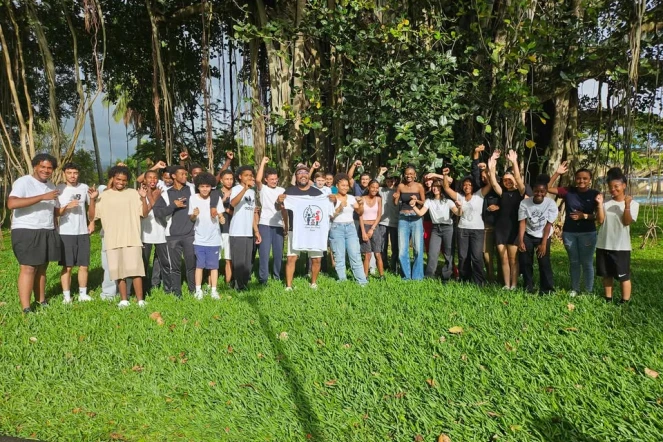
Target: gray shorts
(374,244)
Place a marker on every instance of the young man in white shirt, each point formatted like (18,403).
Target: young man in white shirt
(74,232)
(35,241)
(153,234)
(243,227)
(270,224)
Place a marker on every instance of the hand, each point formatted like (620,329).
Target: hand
(73,204)
(364,236)
(521,245)
(90,228)
(222,219)
(184,156)
(343,204)
(492,163)
(316,165)
(258,238)
(52,195)
(230,155)
(599,199)
(458,204)
(360,200)
(285,232)
(496,154)
(281,198)
(446,171)
(332,198)
(265,160)
(196,211)
(357,163)
(576,215)
(481,166)
(480,148)
(512,156)
(121,164)
(142,191)
(257,210)
(563,168)
(412,203)
(180,203)
(214,213)
(370,233)
(430,176)
(413,198)
(541,249)
(93,193)
(493,207)
(159,165)
(627,200)
(156,193)
(383,170)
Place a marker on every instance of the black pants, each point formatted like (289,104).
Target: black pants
(179,246)
(272,240)
(390,236)
(526,261)
(158,275)
(241,248)
(441,237)
(470,255)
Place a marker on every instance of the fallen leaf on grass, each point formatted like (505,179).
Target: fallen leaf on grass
(261,356)
(515,428)
(76,410)
(331,382)
(651,373)
(211,383)
(3,303)
(91,414)
(443,438)
(456,330)
(172,358)
(347,345)
(117,436)
(492,414)
(185,320)
(184,360)
(418,438)
(33,339)
(570,306)
(508,346)
(571,329)
(320,342)
(463,357)
(631,369)
(549,389)
(137,368)
(230,349)
(443,339)
(283,336)
(155,315)
(171,327)
(431,383)
(217,317)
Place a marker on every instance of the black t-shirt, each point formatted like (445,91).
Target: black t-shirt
(582,201)
(490,218)
(296,191)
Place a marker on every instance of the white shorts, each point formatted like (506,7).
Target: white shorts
(225,245)
(291,252)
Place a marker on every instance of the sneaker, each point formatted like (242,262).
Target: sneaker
(142,303)
(314,286)
(215,296)
(123,304)
(27,310)
(506,287)
(84,298)
(288,289)
(573,293)
(107,297)
(513,287)
(66,300)
(43,304)
(198,295)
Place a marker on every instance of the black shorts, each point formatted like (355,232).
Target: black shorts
(75,250)
(35,247)
(614,264)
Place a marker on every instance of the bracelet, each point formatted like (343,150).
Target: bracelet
(627,208)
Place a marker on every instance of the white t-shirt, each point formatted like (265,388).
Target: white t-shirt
(152,232)
(37,216)
(207,230)
(389,209)
(324,189)
(269,216)
(346,215)
(73,221)
(537,215)
(613,234)
(472,211)
(241,223)
(310,218)
(439,210)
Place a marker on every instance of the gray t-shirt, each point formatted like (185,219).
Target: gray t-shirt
(537,215)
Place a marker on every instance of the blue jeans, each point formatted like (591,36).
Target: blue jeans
(580,247)
(344,240)
(411,226)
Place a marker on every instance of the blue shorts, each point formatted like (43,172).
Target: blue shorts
(207,257)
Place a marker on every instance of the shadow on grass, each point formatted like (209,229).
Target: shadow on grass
(305,414)
(558,429)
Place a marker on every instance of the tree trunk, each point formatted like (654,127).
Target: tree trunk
(556,149)
(95,143)
(257,118)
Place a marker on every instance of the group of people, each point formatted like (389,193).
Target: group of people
(233,215)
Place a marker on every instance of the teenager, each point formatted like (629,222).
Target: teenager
(536,216)
(511,193)
(358,187)
(35,241)
(343,233)
(329,182)
(270,224)
(579,231)
(153,236)
(74,232)
(410,226)
(427,182)
(243,226)
(320,183)
(207,234)
(471,231)
(302,187)
(613,248)
(227,179)
(120,210)
(389,221)
(371,230)
(442,229)
(180,233)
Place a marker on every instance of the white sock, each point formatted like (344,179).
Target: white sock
(67,294)
(82,291)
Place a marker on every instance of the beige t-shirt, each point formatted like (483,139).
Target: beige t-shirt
(120,214)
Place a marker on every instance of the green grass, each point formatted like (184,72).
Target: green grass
(339,364)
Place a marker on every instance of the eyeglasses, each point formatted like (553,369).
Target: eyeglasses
(302,172)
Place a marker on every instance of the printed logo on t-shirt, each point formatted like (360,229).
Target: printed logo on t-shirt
(250,202)
(537,218)
(76,197)
(312,216)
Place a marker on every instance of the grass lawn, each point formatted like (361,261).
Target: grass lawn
(337,364)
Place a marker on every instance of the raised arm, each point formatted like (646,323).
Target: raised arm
(238,198)
(261,172)
(561,170)
(351,172)
(600,211)
(158,166)
(492,164)
(492,173)
(520,184)
(447,188)
(225,165)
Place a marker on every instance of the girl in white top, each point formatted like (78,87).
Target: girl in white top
(470,227)
(371,231)
(613,247)
(343,234)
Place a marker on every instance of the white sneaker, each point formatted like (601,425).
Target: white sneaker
(573,293)
(142,303)
(107,297)
(288,289)
(123,304)
(215,296)
(314,286)
(84,298)
(66,300)
(198,295)
(506,287)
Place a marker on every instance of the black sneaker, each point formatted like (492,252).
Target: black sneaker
(607,299)
(27,310)
(43,304)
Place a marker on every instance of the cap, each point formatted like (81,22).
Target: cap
(301,167)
